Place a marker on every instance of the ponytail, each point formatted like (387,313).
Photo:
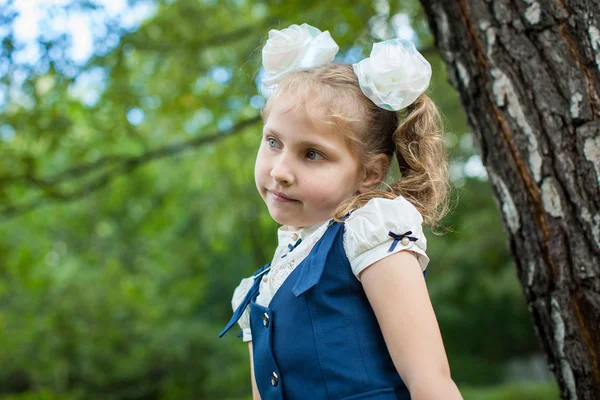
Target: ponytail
(419,147)
(423,161)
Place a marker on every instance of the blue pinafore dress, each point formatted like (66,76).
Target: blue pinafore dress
(319,337)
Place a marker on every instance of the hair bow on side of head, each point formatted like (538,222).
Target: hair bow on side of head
(294,47)
(394,75)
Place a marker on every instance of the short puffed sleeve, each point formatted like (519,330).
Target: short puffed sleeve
(238,296)
(383,227)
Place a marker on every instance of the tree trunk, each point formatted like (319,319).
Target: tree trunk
(528,77)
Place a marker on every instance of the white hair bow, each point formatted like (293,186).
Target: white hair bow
(295,47)
(393,76)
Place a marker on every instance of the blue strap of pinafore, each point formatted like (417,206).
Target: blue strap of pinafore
(249,296)
(313,266)
(309,274)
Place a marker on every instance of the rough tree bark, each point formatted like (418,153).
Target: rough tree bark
(528,77)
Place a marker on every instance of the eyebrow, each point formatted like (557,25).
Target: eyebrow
(327,148)
(274,132)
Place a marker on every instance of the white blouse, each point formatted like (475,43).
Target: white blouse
(366,239)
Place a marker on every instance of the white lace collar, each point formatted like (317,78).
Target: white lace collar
(285,237)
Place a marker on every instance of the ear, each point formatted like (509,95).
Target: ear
(374,176)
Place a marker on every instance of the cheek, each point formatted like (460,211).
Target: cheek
(261,164)
(324,192)
(261,172)
(338,180)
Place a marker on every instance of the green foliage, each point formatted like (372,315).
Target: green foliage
(475,292)
(121,242)
(41,395)
(522,391)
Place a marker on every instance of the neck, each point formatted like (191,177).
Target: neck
(291,228)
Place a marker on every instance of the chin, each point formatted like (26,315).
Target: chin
(284,220)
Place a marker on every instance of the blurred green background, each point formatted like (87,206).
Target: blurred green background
(128,211)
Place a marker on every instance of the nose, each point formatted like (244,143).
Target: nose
(282,171)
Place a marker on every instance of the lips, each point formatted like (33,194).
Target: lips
(280,196)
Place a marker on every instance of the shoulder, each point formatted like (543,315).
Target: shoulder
(241,291)
(244,287)
(374,231)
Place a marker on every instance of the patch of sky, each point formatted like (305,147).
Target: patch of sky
(7,133)
(4,66)
(41,68)
(69,70)
(114,7)
(52,25)
(220,74)
(18,97)
(134,13)
(18,76)
(382,6)
(379,27)
(27,55)
(353,55)
(259,76)
(135,116)
(14,94)
(257,101)
(111,41)
(3,90)
(402,28)
(55,53)
(4,29)
(398,26)
(86,28)
(225,123)
(26,23)
(474,168)
(89,86)
(82,42)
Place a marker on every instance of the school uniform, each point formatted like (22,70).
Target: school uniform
(317,337)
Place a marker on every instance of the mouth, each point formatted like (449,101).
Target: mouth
(281,197)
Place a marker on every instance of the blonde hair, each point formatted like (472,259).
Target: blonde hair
(415,136)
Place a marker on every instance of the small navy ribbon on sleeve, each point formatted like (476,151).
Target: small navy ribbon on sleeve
(397,238)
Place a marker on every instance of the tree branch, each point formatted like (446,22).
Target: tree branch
(124,165)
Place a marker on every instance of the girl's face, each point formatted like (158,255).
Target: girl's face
(304,168)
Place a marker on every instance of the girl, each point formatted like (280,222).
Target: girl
(342,311)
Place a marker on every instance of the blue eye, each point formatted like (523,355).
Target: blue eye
(272,142)
(313,155)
